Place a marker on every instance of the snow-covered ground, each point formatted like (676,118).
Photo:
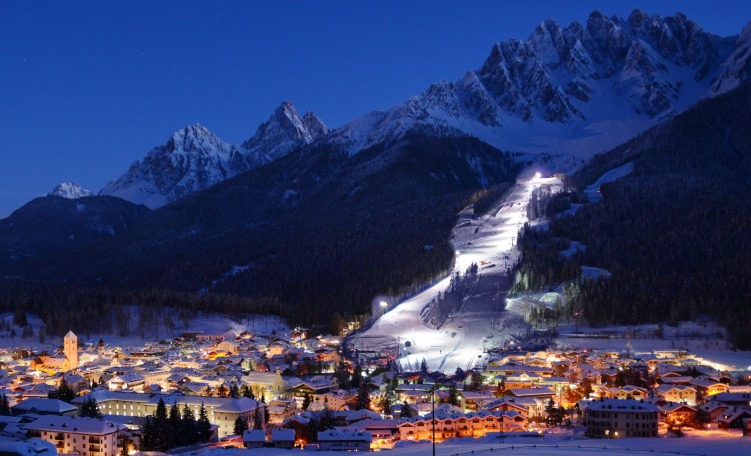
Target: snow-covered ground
(593,191)
(488,241)
(209,324)
(707,443)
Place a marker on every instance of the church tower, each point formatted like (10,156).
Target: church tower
(100,348)
(70,347)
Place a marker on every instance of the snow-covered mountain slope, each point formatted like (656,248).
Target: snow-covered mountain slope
(284,131)
(560,96)
(570,91)
(70,190)
(737,68)
(194,159)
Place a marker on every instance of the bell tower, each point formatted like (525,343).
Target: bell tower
(70,348)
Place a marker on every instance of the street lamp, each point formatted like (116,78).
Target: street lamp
(384,307)
(432,403)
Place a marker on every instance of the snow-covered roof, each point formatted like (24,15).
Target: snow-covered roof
(74,425)
(621,405)
(44,405)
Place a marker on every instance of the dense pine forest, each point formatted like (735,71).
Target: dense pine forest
(674,233)
(314,237)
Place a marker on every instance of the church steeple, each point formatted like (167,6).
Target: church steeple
(70,348)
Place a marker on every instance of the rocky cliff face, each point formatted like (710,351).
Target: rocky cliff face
(70,190)
(560,96)
(575,90)
(194,159)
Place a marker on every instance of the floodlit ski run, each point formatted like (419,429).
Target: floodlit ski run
(488,241)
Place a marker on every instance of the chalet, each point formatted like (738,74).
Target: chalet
(733,418)
(707,387)
(335,440)
(229,346)
(134,382)
(677,414)
(283,438)
(676,393)
(712,409)
(740,400)
(280,410)
(270,383)
(627,392)
(44,406)
(451,422)
(506,404)
(254,438)
(473,401)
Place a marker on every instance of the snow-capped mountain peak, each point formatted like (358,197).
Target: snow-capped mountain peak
(737,68)
(284,131)
(568,91)
(70,190)
(194,158)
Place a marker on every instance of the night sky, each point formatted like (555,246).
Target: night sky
(86,87)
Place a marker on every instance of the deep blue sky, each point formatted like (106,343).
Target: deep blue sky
(87,87)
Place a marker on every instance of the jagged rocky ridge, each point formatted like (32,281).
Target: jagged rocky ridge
(194,159)
(573,90)
(561,96)
(70,190)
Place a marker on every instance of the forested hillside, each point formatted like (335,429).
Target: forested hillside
(314,236)
(674,233)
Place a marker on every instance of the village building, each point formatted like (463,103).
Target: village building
(84,436)
(613,418)
(344,440)
(283,438)
(221,411)
(676,393)
(44,406)
(254,438)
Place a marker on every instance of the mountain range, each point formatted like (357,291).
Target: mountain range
(311,218)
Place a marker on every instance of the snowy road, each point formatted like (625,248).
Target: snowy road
(487,241)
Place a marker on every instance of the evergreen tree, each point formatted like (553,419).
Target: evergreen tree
(406,411)
(362,401)
(386,405)
(241,425)
(424,367)
(265,410)
(203,426)
(161,435)
(188,433)
(234,391)
(4,407)
(148,437)
(453,398)
(222,391)
(257,419)
(306,401)
(356,377)
(90,408)
(174,427)
(63,392)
